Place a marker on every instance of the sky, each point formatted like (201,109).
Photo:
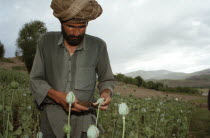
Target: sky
(145,35)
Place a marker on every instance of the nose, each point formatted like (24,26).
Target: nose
(76,32)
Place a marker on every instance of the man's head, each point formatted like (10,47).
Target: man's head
(76,11)
(73,33)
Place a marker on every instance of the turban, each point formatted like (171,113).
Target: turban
(75,11)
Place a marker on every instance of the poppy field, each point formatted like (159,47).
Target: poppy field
(151,117)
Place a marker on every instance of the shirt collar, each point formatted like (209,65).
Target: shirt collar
(80,47)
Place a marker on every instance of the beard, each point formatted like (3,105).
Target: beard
(72,39)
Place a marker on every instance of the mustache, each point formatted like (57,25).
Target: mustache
(73,36)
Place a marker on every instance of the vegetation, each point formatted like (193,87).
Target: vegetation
(200,125)
(154,85)
(148,117)
(27,42)
(2,50)
(18,68)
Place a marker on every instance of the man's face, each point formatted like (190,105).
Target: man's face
(73,33)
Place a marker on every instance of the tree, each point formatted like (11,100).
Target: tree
(119,77)
(2,50)
(139,81)
(27,41)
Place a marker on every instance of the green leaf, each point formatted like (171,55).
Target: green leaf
(18,131)
(10,127)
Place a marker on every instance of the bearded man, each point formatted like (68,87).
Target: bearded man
(69,61)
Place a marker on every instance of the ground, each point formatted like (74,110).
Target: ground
(143,92)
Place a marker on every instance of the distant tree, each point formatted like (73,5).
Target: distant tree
(27,41)
(209,100)
(139,81)
(2,50)
(119,77)
(150,84)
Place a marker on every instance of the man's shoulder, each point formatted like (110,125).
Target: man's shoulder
(94,39)
(51,34)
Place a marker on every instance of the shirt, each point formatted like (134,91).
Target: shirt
(54,67)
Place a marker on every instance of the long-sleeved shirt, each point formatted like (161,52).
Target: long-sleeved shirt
(54,67)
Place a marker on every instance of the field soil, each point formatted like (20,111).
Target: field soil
(143,93)
(8,65)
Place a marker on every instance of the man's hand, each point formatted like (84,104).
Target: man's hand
(60,98)
(107,99)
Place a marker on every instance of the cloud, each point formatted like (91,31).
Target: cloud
(140,34)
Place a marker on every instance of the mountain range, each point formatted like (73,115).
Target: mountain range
(165,74)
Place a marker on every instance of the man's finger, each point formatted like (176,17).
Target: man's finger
(104,107)
(95,103)
(80,107)
(75,109)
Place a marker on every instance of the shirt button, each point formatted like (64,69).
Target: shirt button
(69,71)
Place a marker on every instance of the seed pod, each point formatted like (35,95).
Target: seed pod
(70,98)
(14,85)
(66,128)
(162,120)
(39,135)
(143,110)
(92,132)
(100,101)
(123,109)
(158,110)
(29,107)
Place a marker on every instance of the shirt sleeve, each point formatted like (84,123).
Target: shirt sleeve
(38,85)
(105,76)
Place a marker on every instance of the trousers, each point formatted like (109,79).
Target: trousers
(46,128)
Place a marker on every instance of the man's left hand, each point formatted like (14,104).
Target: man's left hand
(107,99)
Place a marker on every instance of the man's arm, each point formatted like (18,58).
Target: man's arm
(60,98)
(38,85)
(105,76)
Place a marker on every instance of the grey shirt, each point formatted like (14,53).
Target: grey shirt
(54,67)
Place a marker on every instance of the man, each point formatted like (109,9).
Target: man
(69,61)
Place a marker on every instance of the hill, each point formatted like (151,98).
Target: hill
(165,74)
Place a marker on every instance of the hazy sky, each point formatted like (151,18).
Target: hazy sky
(140,34)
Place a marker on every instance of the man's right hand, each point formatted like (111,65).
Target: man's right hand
(60,98)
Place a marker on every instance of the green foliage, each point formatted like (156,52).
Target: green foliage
(125,79)
(18,68)
(7,76)
(27,41)
(139,81)
(119,77)
(17,119)
(148,117)
(200,125)
(2,50)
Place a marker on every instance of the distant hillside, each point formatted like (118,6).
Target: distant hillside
(165,74)
(205,77)
(186,83)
